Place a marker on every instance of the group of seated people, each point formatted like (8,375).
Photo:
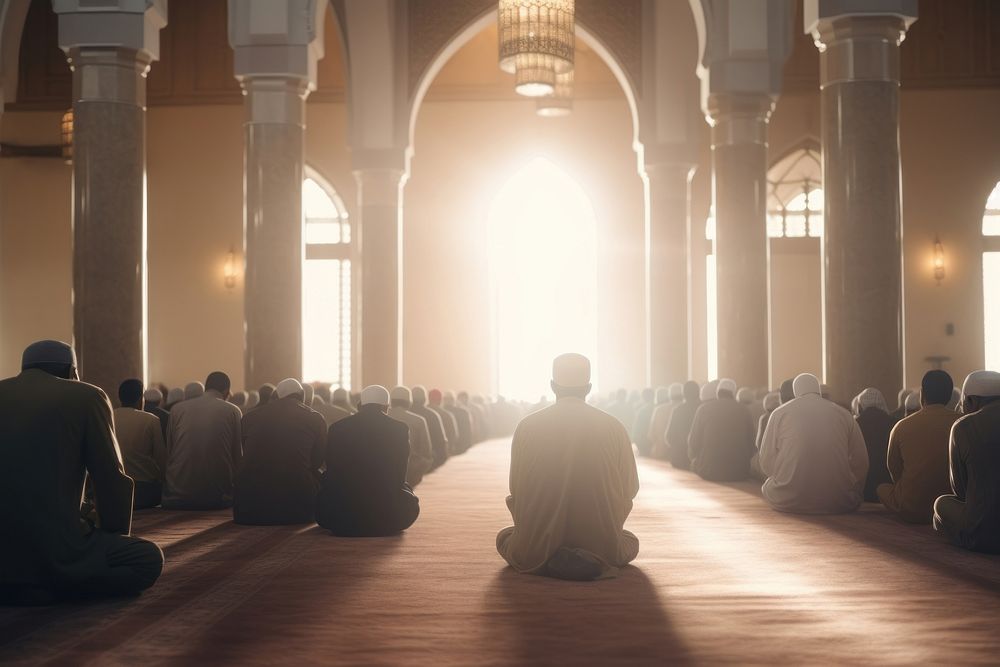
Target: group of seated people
(292,455)
(933,460)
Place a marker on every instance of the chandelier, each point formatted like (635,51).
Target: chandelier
(536,42)
(560,102)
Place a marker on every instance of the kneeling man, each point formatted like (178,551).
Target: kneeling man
(363,492)
(572,481)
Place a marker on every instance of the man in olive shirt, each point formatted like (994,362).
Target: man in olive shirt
(141,441)
(970,516)
(918,453)
(54,432)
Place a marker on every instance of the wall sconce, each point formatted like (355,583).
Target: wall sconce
(938,261)
(229,271)
(66,130)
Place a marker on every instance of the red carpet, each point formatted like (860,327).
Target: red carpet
(720,578)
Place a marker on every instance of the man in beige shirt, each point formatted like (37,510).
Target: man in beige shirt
(140,438)
(572,481)
(918,453)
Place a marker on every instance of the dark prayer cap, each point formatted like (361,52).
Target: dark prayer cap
(48,352)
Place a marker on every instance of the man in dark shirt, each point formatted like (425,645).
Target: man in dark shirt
(54,432)
(278,476)
(721,441)
(363,492)
(971,516)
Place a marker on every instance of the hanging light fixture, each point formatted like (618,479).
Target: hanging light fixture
(536,42)
(560,102)
(66,131)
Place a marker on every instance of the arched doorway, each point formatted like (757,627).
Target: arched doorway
(326,285)
(543,277)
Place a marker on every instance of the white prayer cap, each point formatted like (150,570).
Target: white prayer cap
(571,370)
(308,393)
(239,399)
(339,395)
(676,391)
(854,406)
(872,398)
(449,398)
(401,393)
(745,395)
(48,351)
(419,394)
(772,401)
(153,395)
(981,383)
(725,384)
(662,394)
(175,395)
(253,398)
(287,387)
(805,383)
(193,390)
(913,401)
(375,395)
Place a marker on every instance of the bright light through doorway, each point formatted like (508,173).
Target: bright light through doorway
(543,275)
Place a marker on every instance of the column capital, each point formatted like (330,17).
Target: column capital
(109,25)
(739,118)
(272,99)
(379,186)
(282,39)
(664,159)
(818,15)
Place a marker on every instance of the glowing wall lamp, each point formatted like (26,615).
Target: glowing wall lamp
(229,270)
(938,261)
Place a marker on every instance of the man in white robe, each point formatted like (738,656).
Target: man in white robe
(572,481)
(813,454)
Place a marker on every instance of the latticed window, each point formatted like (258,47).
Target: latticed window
(991,279)
(795,196)
(326,289)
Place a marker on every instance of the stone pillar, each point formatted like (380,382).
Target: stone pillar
(274,153)
(862,244)
(739,192)
(276,46)
(109,51)
(381,248)
(669,187)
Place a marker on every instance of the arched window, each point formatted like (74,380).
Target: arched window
(326,285)
(795,196)
(991,279)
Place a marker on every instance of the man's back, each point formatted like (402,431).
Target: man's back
(720,444)
(572,480)
(421,453)
(975,457)
(918,461)
(51,430)
(141,442)
(203,451)
(815,458)
(278,476)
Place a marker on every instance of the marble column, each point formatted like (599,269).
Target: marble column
(739,192)
(669,186)
(109,213)
(274,134)
(381,242)
(862,251)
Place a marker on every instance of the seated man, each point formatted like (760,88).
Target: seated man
(918,453)
(970,516)
(141,442)
(439,440)
(283,445)
(54,433)
(152,399)
(203,449)
(813,454)
(572,480)
(464,420)
(680,426)
(434,398)
(363,492)
(875,423)
(421,451)
(721,442)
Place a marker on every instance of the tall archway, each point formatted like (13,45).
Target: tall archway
(543,277)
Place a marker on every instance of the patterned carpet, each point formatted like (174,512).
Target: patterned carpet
(720,578)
